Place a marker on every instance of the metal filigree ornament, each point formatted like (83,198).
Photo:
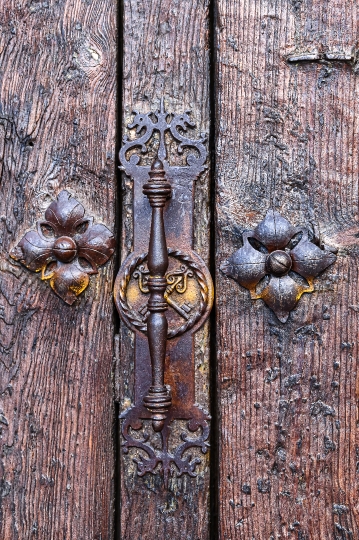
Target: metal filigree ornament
(278,263)
(66,247)
(187,292)
(164,294)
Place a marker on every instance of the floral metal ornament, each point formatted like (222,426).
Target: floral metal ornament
(278,263)
(66,247)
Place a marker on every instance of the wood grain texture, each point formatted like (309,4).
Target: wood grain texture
(57,131)
(165,55)
(287,138)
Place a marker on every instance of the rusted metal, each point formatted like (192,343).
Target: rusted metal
(158,399)
(66,247)
(278,263)
(184,285)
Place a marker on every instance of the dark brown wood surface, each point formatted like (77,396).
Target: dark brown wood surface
(287,138)
(165,55)
(57,131)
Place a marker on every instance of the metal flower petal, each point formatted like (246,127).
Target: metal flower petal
(68,281)
(246,265)
(96,245)
(66,247)
(274,232)
(282,295)
(309,260)
(64,214)
(33,251)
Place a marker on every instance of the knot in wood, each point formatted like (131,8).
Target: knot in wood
(278,263)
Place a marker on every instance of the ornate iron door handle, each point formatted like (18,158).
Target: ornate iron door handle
(164,293)
(158,399)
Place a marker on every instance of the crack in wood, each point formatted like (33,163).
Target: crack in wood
(315,55)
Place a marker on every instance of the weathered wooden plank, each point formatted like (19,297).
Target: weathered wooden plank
(57,130)
(165,55)
(287,139)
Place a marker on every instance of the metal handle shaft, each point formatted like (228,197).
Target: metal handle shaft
(158,400)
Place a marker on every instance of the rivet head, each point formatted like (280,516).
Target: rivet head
(65,249)
(278,263)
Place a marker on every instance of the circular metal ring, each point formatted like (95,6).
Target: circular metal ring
(194,263)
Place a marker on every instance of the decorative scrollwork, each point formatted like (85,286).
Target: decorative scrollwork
(184,463)
(177,281)
(161,121)
(134,267)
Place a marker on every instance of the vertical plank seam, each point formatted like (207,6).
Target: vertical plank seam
(214,459)
(118,228)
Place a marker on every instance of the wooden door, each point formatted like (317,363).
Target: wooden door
(273,87)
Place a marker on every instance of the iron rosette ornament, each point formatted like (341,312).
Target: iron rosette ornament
(66,247)
(278,263)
